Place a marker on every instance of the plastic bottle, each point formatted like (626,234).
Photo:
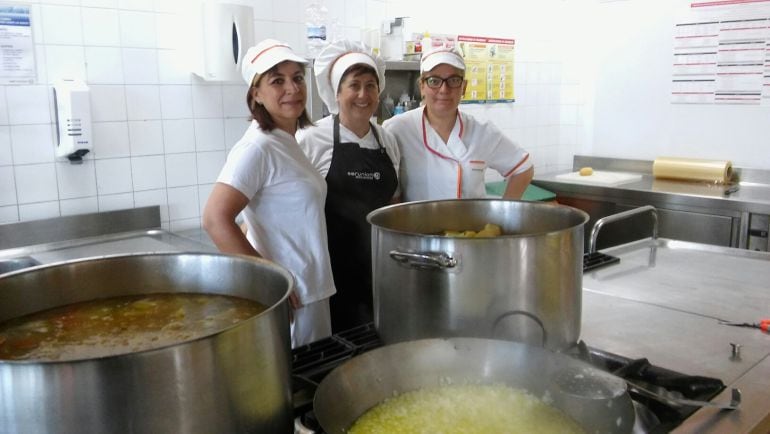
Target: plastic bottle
(427,42)
(316,24)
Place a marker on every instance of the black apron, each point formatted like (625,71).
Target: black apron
(359,181)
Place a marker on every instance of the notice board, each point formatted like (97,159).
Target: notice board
(488,68)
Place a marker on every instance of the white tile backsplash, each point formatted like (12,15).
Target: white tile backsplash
(6,157)
(207,101)
(113,176)
(149,173)
(61,25)
(209,165)
(181,170)
(30,104)
(3,107)
(76,180)
(9,214)
(183,203)
(82,205)
(137,29)
(104,65)
(142,102)
(110,139)
(40,210)
(112,202)
(140,65)
(161,133)
(32,143)
(65,62)
(36,183)
(108,103)
(153,197)
(101,27)
(178,136)
(176,102)
(146,137)
(209,134)
(7,186)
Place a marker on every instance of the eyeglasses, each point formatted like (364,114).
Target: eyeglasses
(434,82)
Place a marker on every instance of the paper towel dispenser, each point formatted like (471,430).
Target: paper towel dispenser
(73,119)
(226,31)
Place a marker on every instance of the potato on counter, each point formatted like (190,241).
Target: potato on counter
(586,171)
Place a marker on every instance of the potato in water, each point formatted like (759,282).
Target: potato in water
(465,409)
(489,230)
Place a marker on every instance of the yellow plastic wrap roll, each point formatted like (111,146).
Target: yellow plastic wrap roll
(692,169)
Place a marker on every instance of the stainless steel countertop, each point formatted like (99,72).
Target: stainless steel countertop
(753,192)
(663,301)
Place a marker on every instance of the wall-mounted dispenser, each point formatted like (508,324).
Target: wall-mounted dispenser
(73,119)
(227,31)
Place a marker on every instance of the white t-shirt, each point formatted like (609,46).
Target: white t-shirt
(432,169)
(318,143)
(285,213)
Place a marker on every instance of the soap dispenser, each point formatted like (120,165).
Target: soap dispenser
(73,119)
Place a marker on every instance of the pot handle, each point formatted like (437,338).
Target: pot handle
(511,313)
(424,259)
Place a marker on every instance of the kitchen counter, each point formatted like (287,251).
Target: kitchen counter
(734,215)
(663,301)
(118,232)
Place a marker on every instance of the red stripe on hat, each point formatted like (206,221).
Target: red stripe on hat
(266,49)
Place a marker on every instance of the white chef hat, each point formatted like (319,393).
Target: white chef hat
(439,55)
(265,55)
(335,59)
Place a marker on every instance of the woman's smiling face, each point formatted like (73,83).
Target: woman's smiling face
(283,93)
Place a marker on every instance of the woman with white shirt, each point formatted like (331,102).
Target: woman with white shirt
(360,162)
(446,152)
(280,194)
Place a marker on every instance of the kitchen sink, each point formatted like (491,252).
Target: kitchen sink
(13,264)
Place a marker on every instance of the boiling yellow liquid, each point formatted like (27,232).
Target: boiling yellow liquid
(467,409)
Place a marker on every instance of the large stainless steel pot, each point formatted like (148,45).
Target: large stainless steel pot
(596,400)
(235,381)
(523,286)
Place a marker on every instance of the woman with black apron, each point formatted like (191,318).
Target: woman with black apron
(360,162)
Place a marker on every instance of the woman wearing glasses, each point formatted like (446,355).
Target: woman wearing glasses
(268,180)
(445,152)
(360,163)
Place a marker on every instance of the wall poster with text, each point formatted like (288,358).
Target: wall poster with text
(488,68)
(16,45)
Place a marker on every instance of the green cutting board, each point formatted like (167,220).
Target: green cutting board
(532,193)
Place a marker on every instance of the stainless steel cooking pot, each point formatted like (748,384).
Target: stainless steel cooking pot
(596,400)
(523,286)
(234,381)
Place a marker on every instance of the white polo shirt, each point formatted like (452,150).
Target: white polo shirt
(285,213)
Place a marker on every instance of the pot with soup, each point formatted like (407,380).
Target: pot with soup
(471,385)
(162,342)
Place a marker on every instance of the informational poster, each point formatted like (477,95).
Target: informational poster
(722,54)
(488,68)
(16,45)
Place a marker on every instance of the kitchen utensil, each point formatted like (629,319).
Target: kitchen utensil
(674,398)
(600,177)
(522,286)
(233,381)
(763,324)
(596,400)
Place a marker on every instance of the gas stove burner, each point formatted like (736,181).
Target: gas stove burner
(312,362)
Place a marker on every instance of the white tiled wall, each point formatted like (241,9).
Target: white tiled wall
(161,134)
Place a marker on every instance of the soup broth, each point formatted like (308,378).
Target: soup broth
(120,325)
(465,409)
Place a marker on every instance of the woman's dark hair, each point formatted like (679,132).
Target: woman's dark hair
(260,113)
(358,69)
